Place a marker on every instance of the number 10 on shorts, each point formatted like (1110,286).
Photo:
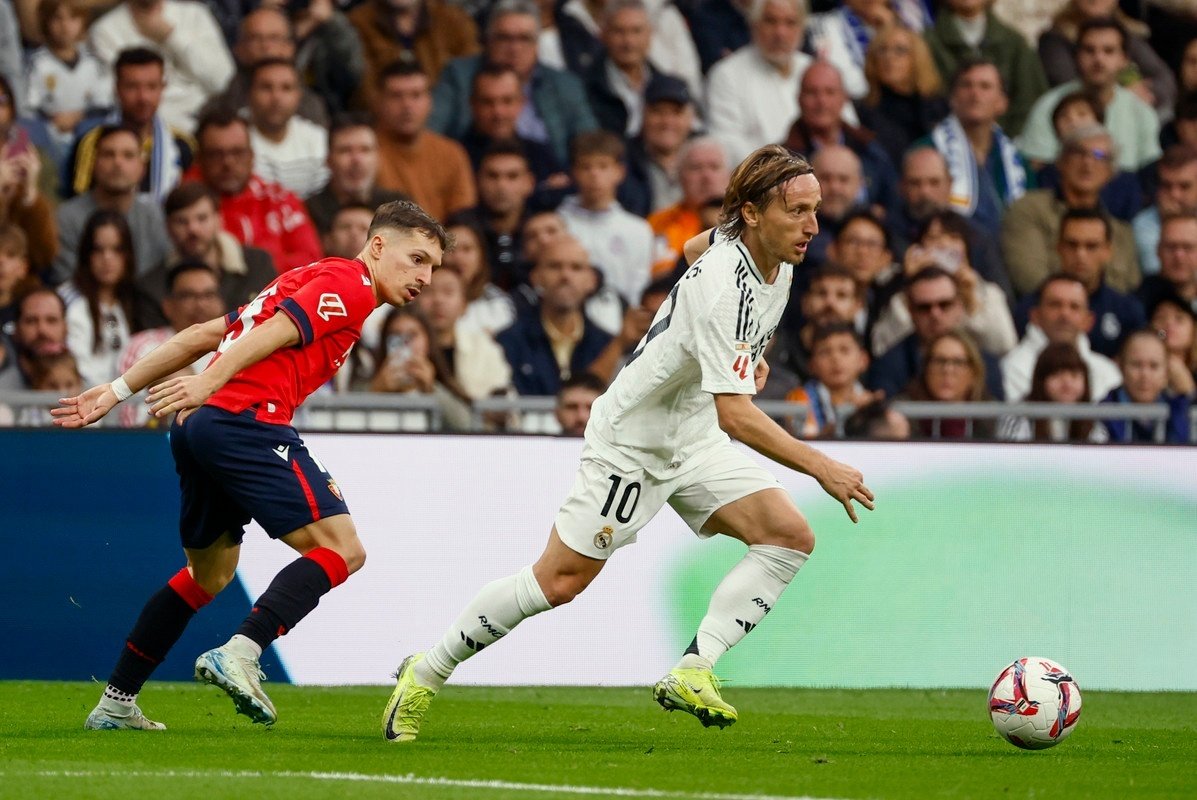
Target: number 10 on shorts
(627,502)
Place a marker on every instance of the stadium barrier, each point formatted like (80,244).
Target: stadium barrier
(976,554)
(371,411)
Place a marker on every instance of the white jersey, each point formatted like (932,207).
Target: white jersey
(706,339)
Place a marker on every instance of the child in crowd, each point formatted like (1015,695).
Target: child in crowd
(838,360)
(1144,365)
(15,279)
(620,243)
(66,82)
(1175,321)
(1061,376)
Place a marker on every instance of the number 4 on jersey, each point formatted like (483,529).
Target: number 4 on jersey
(741,366)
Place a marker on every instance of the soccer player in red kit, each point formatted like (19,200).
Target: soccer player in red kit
(239,458)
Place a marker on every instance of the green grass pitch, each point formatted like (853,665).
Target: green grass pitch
(503,744)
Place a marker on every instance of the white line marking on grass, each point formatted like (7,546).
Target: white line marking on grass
(413,780)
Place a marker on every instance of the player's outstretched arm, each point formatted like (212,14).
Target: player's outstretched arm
(190,391)
(742,420)
(172,355)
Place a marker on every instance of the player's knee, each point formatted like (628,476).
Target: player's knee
(213,578)
(354,555)
(794,533)
(562,588)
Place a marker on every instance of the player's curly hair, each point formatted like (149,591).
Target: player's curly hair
(406,215)
(756,181)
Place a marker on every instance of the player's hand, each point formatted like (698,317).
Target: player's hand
(761,374)
(84,409)
(845,484)
(179,394)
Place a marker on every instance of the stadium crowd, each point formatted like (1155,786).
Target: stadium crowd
(1009,190)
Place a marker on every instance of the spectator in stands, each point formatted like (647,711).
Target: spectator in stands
(1178,262)
(1060,376)
(428,33)
(556,340)
(752,95)
(936,308)
(967,29)
(832,296)
(430,168)
(55,373)
(496,102)
(21,162)
(198,63)
(1031,226)
(194,226)
(257,213)
(925,189)
(1183,127)
(22,203)
(168,150)
(905,97)
(616,82)
(581,36)
(877,420)
(40,331)
(1176,323)
(652,181)
(266,33)
(288,149)
(842,36)
(15,278)
(505,183)
(329,52)
(863,248)
(953,372)
(842,181)
(1084,249)
(407,362)
(1144,365)
(99,297)
(1061,315)
(1133,124)
(488,308)
(193,296)
(558,110)
(476,362)
(821,103)
(349,231)
(1176,193)
(704,172)
(1123,195)
(65,82)
(620,244)
(943,243)
(1145,73)
(352,171)
(988,173)
(11,69)
(838,360)
(116,178)
(574,399)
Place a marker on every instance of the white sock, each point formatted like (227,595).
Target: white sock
(742,599)
(497,608)
(244,647)
(116,700)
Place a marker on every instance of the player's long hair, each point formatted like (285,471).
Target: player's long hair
(756,181)
(85,279)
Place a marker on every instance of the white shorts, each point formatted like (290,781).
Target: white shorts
(607,507)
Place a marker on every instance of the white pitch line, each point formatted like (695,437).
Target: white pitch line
(412,780)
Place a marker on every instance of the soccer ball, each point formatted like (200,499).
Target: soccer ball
(1034,703)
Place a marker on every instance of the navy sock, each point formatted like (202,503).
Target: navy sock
(292,595)
(160,625)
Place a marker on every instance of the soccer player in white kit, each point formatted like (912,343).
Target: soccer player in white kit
(660,434)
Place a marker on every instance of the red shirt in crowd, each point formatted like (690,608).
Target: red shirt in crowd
(328,301)
(266,215)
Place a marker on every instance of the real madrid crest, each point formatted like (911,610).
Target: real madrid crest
(602,539)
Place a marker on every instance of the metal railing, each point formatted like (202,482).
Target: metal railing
(370,411)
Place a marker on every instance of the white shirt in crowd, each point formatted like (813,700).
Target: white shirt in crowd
(750,103)
(298,162)
(619,243)
(96,364)
(53,86)
(198,63)
(1019,365)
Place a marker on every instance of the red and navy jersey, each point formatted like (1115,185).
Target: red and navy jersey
(328,301)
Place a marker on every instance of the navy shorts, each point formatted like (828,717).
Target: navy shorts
(233,468)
